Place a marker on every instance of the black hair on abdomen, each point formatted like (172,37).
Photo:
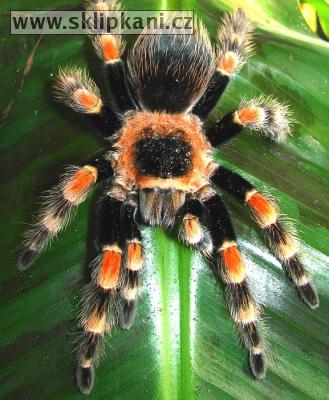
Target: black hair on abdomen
(170,72)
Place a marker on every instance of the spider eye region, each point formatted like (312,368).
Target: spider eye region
(163,157)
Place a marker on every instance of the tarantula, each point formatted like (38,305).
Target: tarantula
(160,169)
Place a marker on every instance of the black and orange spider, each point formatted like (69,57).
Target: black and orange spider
(160,169)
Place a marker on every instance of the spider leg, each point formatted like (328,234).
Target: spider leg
(265,115)
(133,262)
(234,46)
(78,91)
(114,287)
(100,295)
(109,48)
(58,206)
(267,216)
(193,230)
(242,306)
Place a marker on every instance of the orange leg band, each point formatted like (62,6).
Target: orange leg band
(264,211)
(233,264)
(77,187)
(110,269)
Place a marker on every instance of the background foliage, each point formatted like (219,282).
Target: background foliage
(183,343)
(316,14)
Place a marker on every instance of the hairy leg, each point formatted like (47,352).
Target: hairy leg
(243,307)
(58,206)
(193,230)
(109,48)
(112,294)
(234,47)
(230,267)
(265,115)
(267,216)
(78,91)
(99,297)
(133,262)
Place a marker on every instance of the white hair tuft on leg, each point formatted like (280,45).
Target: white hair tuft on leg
(268,116)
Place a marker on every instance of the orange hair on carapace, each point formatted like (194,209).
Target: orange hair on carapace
(145,124)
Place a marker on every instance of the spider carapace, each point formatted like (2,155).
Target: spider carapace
(160,169)
(166,160)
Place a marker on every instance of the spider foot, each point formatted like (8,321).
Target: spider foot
(26,258)
(85,379)
(127,313)
(308,295)
(257,365)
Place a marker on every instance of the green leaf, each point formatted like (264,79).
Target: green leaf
(319,22)
(183,344)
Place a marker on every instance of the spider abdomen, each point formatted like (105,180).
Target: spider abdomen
(163,157)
